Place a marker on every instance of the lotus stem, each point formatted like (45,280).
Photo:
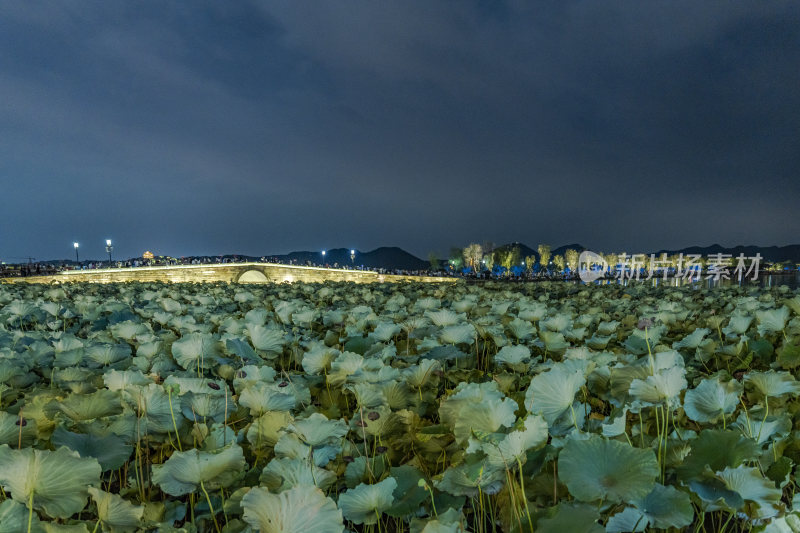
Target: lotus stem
(210,507)
(524,497)
(172,414)
(30,511)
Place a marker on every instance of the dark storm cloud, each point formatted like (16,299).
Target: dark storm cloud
(268,127)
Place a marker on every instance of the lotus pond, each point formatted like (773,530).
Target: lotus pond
(547,407)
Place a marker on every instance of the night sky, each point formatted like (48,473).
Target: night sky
(255,128)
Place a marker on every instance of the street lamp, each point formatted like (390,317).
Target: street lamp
(109,249)
(75,244)
(323,257)
(352,255)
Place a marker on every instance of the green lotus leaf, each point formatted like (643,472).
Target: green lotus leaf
(510,450)
(284,473)
(551,393)
(760,428)
(772,384)
(717,449)
(607,328)
(713,492)
(15,431)
(471,477)
(628,520)
(265,430)
(620,379)
(241,349)
(408,495)
(711,400)
(152,404)
(666,507)
(692,340)
(252,374)
(450,521)
(607,470)
(263,397)
(664,387)
(107,354)
(367,395)
(267,339)
(738,325)
(553,341)
(317,429)
(14,518)
(291,445)
(364,469)
(200,407)
(421,374)
(477,407)
(558,322)
(195,351)
(346,364)
(304,318)
(752,487)
(115,513)
(772,320)
(184,472)
(110,451)
(789,355)
(444,317)
(513,355)
(385,331)
(458,334)
(215,438)
(443,353)
(318,360)
(298,510)
(522,330)
(57,481)
(125,380)
(365,503)
(571,517)
(617,425)
(87,406)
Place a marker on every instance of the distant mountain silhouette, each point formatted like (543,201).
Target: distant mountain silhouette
(772,254)
(384,257)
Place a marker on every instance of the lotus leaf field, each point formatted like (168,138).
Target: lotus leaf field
(320,408)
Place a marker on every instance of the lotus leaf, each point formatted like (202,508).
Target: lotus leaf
(611,471)
(551,393)
(56,481)
(297,510)
(115,513)
(185,472)
(711,400)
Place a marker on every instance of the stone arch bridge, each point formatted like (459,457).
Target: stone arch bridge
(227,272)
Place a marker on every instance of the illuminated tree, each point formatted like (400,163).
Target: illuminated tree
(472,256)
(571,256)
(559,262)
(544,255)
(530,260)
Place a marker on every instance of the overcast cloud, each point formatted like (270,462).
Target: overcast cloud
(236,127)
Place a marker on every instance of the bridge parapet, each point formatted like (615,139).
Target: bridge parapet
(225,272)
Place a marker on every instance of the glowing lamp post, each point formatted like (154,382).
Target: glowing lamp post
(109,249)
(323,257)
(75,245)
(352,255)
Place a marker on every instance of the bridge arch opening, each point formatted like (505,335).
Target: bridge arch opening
(253,276)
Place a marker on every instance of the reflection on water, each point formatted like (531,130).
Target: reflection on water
(765,279)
